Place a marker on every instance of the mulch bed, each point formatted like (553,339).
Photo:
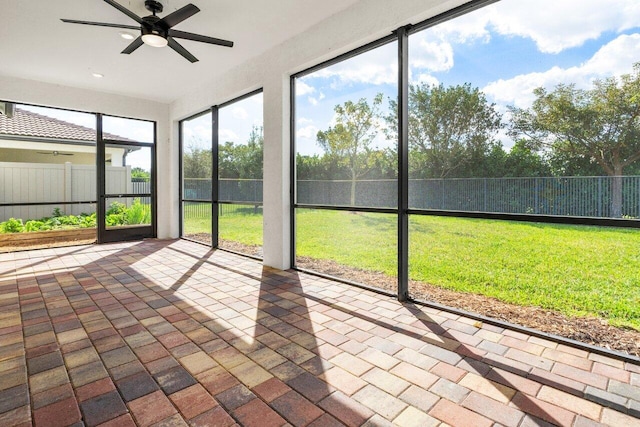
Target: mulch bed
(590,330)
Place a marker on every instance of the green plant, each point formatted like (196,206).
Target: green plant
(56,222)
(114,220)
(138,213)
(12,225)
(88,220)
(35,225)
(69,220)
(116,208)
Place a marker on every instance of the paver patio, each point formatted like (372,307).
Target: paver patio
(169,333)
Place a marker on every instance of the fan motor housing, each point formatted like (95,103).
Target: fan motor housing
(153,6)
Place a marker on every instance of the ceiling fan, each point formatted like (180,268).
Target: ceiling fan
(156,31)
(55,153)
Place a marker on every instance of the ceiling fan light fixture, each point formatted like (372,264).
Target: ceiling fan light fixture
(156,31)
(154,40)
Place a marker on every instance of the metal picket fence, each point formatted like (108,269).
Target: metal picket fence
(570,196)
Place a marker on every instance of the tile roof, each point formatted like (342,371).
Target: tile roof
(30,124)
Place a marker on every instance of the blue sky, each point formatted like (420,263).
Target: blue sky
(235,123)
(507,49)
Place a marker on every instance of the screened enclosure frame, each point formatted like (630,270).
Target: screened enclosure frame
(181,175)
(103,234)
(403,210)
(215,180)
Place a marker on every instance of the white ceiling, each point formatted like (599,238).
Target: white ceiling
(36,45)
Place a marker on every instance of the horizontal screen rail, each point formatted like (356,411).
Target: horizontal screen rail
(82,202)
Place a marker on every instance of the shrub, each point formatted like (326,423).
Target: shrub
(35,225)
(88,220)
(118,214)
(116,208)
(69,220)
(114,220)
(12,225)
(138,213)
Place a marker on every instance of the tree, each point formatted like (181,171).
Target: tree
(242,161)
(349,142)
(196,161)
(522,161)
(601,124)
(449,127)
(140,174)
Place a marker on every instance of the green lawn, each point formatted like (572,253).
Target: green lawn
(576,270)
(237,223)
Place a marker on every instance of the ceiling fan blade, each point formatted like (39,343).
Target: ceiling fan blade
(174,18)
(133,46)
(181,50)
(124,10)
(101,24)
(199,38)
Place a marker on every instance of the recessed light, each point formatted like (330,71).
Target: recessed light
(127,36)
(97,75)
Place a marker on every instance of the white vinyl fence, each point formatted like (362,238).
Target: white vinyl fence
(45,183)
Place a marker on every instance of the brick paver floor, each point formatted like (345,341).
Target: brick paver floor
(169,333)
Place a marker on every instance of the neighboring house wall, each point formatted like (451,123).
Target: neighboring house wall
(43,182)
(30,156)
(26,151)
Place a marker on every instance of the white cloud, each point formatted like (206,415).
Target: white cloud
(372,73)
(545,22)
(428,79)
(198,136)
(313,101)
(303,89)
(376,67)
(613,59)
(432,55)
(228,135)
(257,99)
(307,132)
(240,113)
(304,121)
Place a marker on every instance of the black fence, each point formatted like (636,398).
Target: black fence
(567,196)
(230,190)
(570,196)
(203,209)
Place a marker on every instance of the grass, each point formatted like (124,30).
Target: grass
(576,270)
(238,223)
